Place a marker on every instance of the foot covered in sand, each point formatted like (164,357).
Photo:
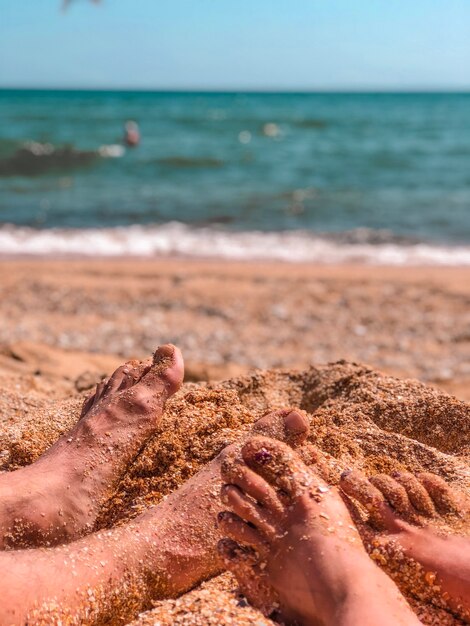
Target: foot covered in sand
(57,498)
(109,576)
(185,519)
(411,512)
(291,543)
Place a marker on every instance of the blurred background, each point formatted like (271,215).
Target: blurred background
(349,121)
(332,134)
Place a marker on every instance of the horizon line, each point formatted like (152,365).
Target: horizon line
(248,90)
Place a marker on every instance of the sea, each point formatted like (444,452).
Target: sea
(315,177)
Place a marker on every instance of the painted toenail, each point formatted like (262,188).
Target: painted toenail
(346,473)
(263,456)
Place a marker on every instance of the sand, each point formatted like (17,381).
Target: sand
(229,317)
(65,325)
(359,417)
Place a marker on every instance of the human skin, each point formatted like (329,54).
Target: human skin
(110,576)
(405,509)
(291,542)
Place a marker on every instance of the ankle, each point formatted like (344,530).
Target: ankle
(373,599)
(367,596)
(345,583)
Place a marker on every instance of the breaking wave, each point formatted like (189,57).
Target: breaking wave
(176,239)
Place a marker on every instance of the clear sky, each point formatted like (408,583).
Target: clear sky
(236,44)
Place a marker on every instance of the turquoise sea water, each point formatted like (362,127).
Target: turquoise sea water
(322,163)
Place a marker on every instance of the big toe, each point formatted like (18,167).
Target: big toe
(278,464)
(289,425)
(445,498)
(167,368)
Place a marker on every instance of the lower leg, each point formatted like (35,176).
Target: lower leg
(74,584)
(112,575)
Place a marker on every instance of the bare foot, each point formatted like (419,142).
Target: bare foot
(189,527)
(110,576)
(57,498)
(291,539)
(404,506)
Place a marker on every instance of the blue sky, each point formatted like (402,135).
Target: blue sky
(236,44)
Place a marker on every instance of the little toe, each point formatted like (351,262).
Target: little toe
(87,404)
(289,425)
(235,528)
(235,472)
(248,510)
(395,494)
(234,555)
(279,465)
(417,494)
(357,486)
(445,499)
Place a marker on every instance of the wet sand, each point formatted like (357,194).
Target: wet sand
(64,325)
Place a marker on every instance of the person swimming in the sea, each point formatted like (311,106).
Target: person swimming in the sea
(289,537)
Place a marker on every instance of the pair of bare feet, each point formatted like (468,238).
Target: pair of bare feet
(290,539)
(55,569)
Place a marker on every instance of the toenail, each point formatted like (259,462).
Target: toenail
(263,456)
(346,473)
(295,421)
(166,350)
(395,474)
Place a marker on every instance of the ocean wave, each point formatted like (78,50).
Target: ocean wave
(311,123)
(180,240)
(190,162)
(33,158)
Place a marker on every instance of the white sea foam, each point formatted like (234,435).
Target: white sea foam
(178,239)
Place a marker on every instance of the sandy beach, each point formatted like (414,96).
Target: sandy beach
(234,314)
(230,317)
(255,337)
